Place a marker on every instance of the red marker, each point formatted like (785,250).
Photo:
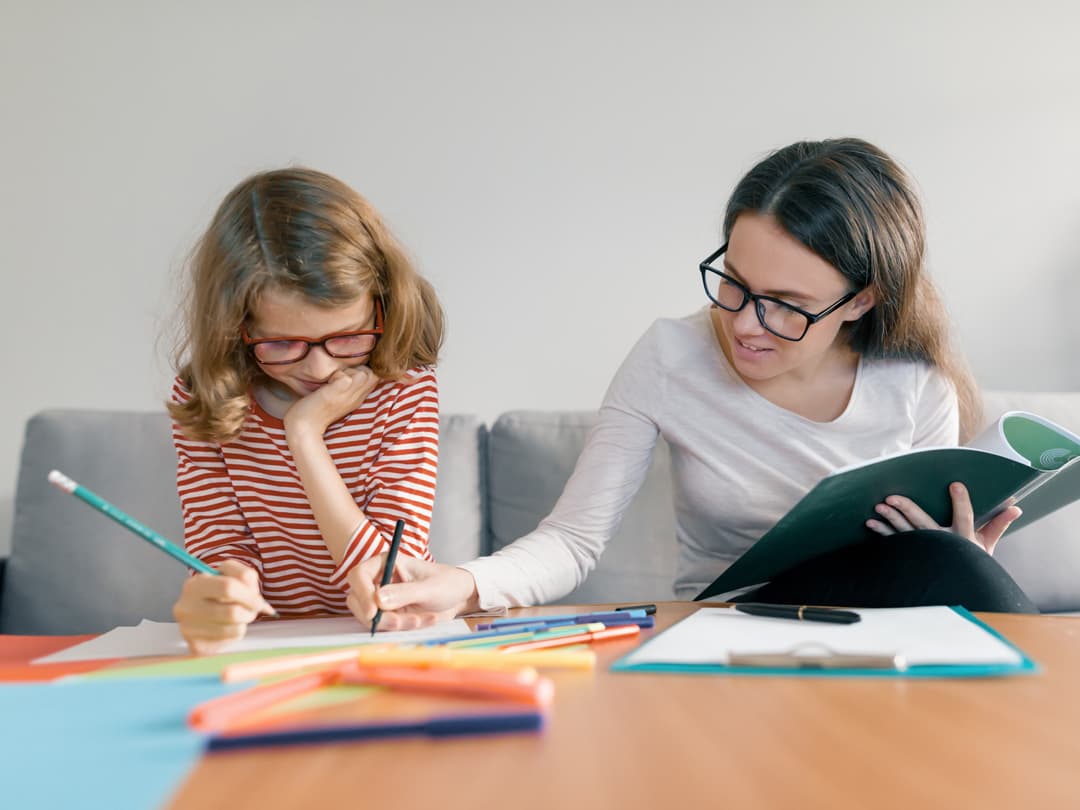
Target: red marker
(220,712)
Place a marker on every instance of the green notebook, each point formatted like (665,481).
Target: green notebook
(1020,456)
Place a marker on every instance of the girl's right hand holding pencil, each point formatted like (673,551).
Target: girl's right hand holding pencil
(214,611)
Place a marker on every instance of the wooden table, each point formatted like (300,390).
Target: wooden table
(636,740)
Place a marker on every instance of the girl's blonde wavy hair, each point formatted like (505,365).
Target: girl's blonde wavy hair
(300,231)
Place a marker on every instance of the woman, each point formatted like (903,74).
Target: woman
(825,344)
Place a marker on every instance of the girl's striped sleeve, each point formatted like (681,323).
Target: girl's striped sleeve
(214,526)
(401,479)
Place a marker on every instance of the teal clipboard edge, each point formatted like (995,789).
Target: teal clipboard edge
(1024,667)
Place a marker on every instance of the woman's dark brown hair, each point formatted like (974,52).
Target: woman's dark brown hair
(854,206)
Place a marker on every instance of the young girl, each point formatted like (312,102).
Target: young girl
(305,408)
(823,344)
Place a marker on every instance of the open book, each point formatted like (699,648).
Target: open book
(1020,458)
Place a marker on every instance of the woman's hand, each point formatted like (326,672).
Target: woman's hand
(214,611)
(342,394)
(902,514)
(420,594)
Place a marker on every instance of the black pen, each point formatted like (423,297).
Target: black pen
(388,571)
(649,609)
(799,612)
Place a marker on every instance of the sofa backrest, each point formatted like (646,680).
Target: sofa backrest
(73,570)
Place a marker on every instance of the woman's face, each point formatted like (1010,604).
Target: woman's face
(769,261)
(289,314)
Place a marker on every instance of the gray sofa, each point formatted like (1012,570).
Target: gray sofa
(72,570)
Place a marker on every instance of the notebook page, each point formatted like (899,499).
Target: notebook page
(163,638)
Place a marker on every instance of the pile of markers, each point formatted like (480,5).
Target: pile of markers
(498,662)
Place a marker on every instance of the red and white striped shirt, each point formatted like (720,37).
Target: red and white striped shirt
(244,501)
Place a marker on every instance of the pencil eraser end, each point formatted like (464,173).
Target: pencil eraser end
(58,479)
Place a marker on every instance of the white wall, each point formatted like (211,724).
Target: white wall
(556,168)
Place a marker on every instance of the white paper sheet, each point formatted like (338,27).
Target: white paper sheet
(163,638)
(922,635)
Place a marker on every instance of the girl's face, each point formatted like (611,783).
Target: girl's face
(289,314)
(770,261)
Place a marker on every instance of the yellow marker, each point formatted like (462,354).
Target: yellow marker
(411,656)
(484,659)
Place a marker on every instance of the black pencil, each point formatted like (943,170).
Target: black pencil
(388,571)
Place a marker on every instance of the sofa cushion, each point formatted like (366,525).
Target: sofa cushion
(1044,557)
(73,570)
(459,530)
(530,457)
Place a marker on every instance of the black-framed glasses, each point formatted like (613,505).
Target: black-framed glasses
(280,351)
(778,317)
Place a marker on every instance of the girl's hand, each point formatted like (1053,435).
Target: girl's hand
(214,611)
(343,392)
(902,515)
(420,594)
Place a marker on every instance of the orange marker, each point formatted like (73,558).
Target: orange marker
(216,714)
(520,686)
(619,631)
(396,655)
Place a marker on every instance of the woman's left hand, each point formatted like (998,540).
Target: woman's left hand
(900,514)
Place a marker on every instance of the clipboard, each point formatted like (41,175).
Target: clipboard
(921,642)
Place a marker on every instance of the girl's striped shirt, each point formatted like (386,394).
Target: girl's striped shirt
(244,501)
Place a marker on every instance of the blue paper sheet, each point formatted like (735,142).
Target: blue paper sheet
(107,744)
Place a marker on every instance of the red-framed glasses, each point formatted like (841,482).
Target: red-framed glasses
(280,351)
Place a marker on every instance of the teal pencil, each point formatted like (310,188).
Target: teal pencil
(61,481)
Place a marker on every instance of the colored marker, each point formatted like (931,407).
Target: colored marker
(577,638)
(543,632)
(218,713)
(649,609)
(388,654)
(499,631)
(61,481)
(266,667)
(611,616)
(520,686)
(444,726)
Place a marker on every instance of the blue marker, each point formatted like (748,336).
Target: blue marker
(503,631)
(607,617)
